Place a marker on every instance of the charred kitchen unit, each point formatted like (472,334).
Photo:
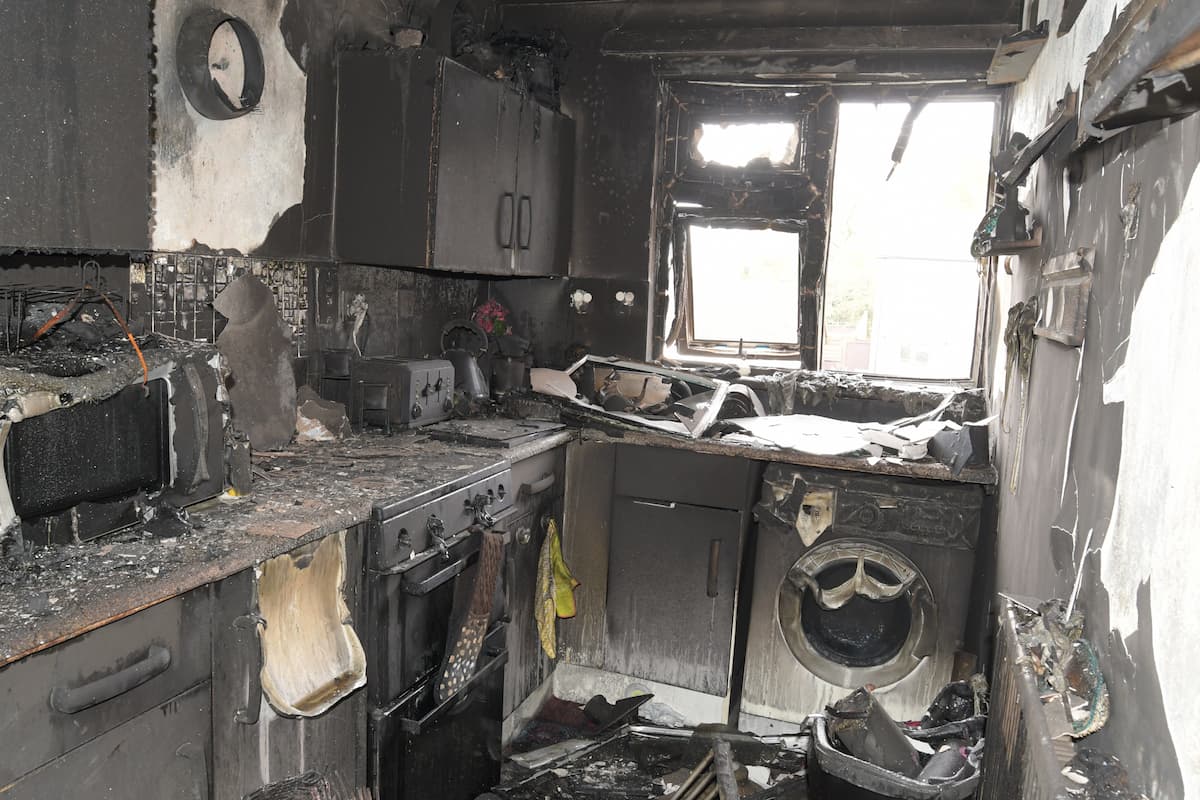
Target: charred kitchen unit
(434,587)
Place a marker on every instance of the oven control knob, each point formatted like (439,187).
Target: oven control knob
(425,389)
(416,410)
(437,387)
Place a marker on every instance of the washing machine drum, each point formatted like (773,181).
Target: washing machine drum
(856,613)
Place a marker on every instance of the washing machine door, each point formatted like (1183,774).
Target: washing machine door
(857,612)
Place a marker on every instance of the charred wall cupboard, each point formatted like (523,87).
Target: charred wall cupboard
(442,168)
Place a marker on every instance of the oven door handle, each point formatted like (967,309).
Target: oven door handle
(448,573)
(418,726)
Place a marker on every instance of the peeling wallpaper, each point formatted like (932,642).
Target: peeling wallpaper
(1151,541)
(1108,459)
(224,183)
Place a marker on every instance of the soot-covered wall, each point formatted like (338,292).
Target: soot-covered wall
(261,183)
(613,102)
(1098,485)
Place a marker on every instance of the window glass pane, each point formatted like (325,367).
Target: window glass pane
(901,287)
(745,284)
(737,144)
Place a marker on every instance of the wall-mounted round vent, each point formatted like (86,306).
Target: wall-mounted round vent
(220,64)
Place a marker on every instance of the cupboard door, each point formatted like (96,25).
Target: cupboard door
(672,583)
(384,140)
(475,208)
(163,753)
(255,747)
(545,178)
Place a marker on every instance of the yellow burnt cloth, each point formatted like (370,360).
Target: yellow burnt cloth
(556,590)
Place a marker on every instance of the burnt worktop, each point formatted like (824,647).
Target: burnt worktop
(299,495)
(925,469)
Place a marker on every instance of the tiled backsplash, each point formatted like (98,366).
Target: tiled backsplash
(172,293)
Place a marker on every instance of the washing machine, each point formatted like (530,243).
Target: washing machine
(858,580)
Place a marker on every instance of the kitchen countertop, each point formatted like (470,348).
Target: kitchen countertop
(299,495)
(927,469)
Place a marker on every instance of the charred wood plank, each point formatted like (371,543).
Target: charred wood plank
(637,43)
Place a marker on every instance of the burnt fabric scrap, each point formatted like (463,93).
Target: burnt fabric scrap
(468,627)
(556,590)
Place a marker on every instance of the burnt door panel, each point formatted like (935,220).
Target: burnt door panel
(544,191)
(162,753)
(253,746)
(672,583)
(385,122)
(475,207)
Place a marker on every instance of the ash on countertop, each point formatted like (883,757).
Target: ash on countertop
(300,494)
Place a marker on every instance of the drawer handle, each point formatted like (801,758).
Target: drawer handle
(714,566)
(72,701)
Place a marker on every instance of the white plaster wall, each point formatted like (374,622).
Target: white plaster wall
(223,183)
(1153,534)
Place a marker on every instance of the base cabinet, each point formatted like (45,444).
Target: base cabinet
(253,746)
(162,753)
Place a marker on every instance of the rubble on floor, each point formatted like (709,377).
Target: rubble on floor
(565,754)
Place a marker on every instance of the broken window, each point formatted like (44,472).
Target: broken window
(901,288)
(745,284)
(770,144)
(751,199)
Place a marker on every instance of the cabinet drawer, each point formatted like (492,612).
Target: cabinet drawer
(660,473)
(162,753)
(61,698)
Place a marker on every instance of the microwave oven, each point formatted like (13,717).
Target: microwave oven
(83,470)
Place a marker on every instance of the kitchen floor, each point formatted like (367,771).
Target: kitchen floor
(642,761)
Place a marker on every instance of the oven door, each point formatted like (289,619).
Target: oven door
(421,749)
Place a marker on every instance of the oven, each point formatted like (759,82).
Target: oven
(72,469)
(434,579)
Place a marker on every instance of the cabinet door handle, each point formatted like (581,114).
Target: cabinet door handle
(537,487)
(249,642)
(506,220)
(714,566)
(525,222)
(652,504)
(114,684)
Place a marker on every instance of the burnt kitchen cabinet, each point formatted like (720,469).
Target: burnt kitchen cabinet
(75,160)
(545,176)
(253,747)
(161,753)
(442,168)
(119,683)
(678,526)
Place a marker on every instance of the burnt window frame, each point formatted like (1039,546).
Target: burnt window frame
(764,196)
(745,102)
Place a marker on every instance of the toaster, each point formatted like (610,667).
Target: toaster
(387,392)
